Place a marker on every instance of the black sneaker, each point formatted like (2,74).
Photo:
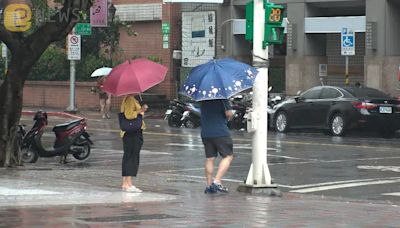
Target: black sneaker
(219,187)
(210,190)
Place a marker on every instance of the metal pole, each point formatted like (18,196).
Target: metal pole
(6,64)
(259,175)
(72,107)
(5,56)
(346,81)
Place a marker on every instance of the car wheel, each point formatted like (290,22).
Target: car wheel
(337,125)
(281,122)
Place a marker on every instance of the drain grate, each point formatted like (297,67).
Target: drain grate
(128,218)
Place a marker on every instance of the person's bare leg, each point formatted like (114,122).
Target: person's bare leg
(223,167)
(102,107)
(126,182)
(108,106)
(209,169)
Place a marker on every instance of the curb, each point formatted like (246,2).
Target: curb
(59,114)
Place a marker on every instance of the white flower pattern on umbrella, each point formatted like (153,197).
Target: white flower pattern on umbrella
(218,84)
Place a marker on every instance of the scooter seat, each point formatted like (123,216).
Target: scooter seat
(66,126)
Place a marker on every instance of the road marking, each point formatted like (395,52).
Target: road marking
(22,192)
(349,185)
(380,168)
(236,146)
(271,141)
(198,177)
(146,152)
(391,194)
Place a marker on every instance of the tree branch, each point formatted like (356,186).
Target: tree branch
(59,25)
(8,38)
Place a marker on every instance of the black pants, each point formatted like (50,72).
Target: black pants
(132,143)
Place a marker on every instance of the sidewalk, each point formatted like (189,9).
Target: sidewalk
(87,194)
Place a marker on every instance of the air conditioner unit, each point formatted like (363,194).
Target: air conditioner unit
(177,54)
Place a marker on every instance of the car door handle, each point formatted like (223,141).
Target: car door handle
(333,102)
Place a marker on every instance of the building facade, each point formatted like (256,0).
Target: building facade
(150,40)
(311,53)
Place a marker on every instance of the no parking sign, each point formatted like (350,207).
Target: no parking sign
(74,47)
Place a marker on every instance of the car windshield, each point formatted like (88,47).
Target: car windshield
(367,93)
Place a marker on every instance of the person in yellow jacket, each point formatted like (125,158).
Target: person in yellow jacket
(132,143)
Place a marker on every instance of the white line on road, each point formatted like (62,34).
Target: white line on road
(198,177)
(148,152)
(380,168)
(236,146)
(349,185)
(391,194)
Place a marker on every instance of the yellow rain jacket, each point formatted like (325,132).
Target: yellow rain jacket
(131,108)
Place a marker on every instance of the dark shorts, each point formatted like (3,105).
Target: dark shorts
(221,145)
(103,95)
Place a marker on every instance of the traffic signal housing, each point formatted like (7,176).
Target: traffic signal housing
(273,33)
(273,29)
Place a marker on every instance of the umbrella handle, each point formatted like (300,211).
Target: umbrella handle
(140,96)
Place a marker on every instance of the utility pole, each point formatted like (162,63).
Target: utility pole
(74,53)
(259,178)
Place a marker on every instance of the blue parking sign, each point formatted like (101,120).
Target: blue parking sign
(347,42)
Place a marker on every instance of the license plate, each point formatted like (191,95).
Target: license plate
(385,109)
(169,111)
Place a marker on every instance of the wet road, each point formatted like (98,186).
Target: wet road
(326,182)
(361,166)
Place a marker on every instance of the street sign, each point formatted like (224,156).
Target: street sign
(165,27)
(348,42)
(83,29)
(74,47)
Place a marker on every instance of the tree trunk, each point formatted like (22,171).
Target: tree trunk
(25,51)
(10,112)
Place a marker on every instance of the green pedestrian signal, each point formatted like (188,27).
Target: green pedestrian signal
(273,33)
(273,29)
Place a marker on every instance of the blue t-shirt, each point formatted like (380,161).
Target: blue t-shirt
(213,119)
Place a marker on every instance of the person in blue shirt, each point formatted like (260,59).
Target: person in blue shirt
(216,138)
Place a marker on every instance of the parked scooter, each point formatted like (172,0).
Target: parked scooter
(191,117)
(71,138)
(174,113)
(240,105)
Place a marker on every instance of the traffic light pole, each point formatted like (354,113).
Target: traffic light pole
(259,178)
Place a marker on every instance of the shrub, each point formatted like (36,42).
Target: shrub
(52,66)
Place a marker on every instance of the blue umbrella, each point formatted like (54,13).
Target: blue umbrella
(218,79)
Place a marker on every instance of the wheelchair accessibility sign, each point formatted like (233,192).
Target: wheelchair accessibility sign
(348,42)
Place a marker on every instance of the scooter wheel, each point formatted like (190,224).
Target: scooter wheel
(28,155)
(174,120)
(83,155)
(190,124)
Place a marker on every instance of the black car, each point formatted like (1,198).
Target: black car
(339,109)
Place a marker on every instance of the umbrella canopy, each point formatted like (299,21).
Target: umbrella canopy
(134,76)
(104,71)
(218,79)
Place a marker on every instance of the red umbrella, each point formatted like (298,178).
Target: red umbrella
(134,76)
